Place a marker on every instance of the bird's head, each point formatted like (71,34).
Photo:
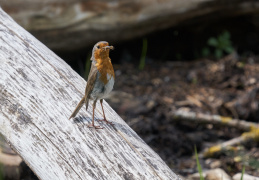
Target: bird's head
(101,51)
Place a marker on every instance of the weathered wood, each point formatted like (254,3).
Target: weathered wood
(38,92)
(72,24)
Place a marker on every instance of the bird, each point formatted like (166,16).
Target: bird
(100,81)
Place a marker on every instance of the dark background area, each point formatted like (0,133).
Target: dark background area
(181,43)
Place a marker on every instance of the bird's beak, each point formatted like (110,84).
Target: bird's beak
(108,47)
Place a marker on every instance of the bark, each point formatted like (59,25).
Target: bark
(38,92)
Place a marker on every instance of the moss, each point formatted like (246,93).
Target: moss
(225,119)
(212,150)
(252,134)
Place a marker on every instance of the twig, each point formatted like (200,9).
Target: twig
(213,119)
(251,128)
(227,145)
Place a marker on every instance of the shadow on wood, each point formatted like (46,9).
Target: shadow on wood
(38,93)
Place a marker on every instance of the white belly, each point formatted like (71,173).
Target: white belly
(100,90)
(109,86)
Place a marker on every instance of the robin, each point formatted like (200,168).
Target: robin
(100,80)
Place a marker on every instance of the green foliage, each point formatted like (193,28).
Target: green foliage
(222,44)
(243,172)
(253,162)
(142,61)
(1,172)
(198,164)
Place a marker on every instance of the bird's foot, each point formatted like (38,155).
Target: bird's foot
(93,126)
(105,120)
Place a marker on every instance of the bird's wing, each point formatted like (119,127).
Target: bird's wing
(91,80)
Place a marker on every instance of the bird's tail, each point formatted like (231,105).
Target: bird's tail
(79,106)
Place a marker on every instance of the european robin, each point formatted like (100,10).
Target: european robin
(100,80)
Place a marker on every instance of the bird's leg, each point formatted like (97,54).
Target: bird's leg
(104,118)
(92,125)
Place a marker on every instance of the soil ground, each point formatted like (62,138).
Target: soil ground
(227,87)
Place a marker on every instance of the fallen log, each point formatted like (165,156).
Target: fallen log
(74,24)
(38,92)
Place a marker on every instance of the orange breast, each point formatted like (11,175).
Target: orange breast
(105,67)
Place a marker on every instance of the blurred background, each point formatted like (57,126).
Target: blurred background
(172,58)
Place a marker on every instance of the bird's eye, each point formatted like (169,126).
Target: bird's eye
(98,47)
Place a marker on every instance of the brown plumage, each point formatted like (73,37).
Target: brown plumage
(100,80)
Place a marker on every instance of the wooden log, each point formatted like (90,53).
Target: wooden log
(74,24)
(38,93)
